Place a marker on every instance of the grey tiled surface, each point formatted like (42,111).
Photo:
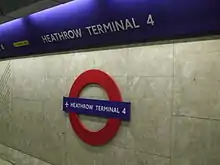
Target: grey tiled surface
(197,65)
(15,157)
(173,89)
(195,137)
(151,103)
(197,47)
(154,61)
(3,162)
(28,78)
(114,155)
(198,97)
(197,80)
(195,142)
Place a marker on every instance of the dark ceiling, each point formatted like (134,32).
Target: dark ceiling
(12,9)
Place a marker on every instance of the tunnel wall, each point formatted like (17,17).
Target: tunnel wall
(173,88)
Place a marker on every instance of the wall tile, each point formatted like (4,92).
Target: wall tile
(69,65)
(28,78)
(54,126)
(3,162)
(115,155)
(78,152)
(106,155)
(198,97)
(152,135)
(26,131)
(154,60)
(195,142)
(5,121)
(197,47)
(56,88)
(112,61)
(134,88)
(16,157)
(94,91)
(59,65)
(106,60)
(198,65)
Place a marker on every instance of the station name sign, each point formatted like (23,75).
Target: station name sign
(84,24)
(100,108)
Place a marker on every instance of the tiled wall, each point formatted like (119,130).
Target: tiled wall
(10,156)
(175,93)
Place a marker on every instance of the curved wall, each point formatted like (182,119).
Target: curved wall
(173,88)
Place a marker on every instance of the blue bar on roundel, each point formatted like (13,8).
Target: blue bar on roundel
(100,108)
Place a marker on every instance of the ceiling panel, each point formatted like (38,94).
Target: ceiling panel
(33,8)
(11,5)
(63,1)
(4,19)
(21,8)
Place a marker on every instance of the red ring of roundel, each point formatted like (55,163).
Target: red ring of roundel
(104,135)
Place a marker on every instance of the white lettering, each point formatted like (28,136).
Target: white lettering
(65,35)
(97,107)
(72,105)
(111,109)
(48,38)
(113,25)
(61,36)
(56,36)
(101,108)
(82,106)
(150,20)
(100,29)
(94,30)
(2,47)
(116,110)
(105,108)
(53,38)
(44,38)
(119,26)
(89,29)
(77,105)
(70,34)
(77,33)
(124,111)
(134,24)
(107,27)
(89,106)
(128,24)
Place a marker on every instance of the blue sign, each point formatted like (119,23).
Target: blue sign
(100,108)
(83,24)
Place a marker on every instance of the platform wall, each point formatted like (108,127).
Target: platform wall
(174,89)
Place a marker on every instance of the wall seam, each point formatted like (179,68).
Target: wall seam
(8,161)
(141,151)
(23,152)
(195,117)
(172,105)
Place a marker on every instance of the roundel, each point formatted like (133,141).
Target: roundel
(105,134)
